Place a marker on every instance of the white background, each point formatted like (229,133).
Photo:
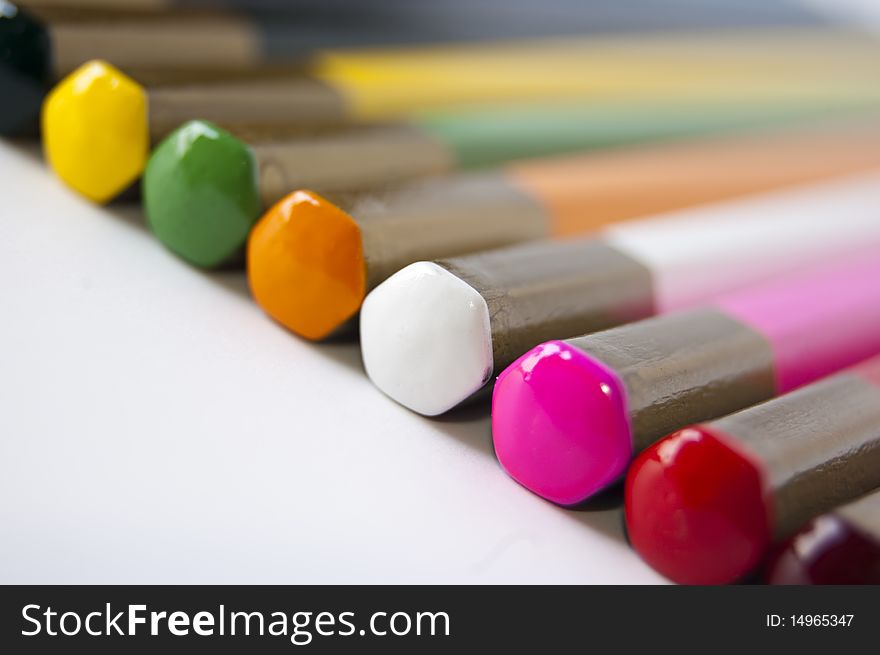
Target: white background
(156,427)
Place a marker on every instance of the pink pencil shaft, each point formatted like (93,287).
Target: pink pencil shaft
(817,322)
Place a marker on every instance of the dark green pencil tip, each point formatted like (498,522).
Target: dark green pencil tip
(25,72)
(200,194)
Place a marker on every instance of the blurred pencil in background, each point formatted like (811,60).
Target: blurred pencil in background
(466,18)
(311,262)
(236,181)
(98,124)
(55,37)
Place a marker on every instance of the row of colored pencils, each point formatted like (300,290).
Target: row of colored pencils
(653,235)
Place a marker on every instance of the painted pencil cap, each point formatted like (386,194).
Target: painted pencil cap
(306,265)
(559,423)
(25,69)
(828,550)
(696,508)
(95,131)
(200,194)
(426,338)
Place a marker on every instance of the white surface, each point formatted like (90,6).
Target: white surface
(426,338)
(696,253)
(156,427)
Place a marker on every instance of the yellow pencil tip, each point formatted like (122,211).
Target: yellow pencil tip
(95,131)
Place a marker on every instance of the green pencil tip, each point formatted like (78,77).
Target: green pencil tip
(200,194)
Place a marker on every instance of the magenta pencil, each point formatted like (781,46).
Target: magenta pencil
(568,416)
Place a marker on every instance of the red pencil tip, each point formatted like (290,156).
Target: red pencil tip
(696,509)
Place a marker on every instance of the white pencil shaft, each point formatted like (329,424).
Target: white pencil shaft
(697,253)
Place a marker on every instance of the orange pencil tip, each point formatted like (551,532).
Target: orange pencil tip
(306,265)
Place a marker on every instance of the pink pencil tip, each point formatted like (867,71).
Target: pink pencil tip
(560,424)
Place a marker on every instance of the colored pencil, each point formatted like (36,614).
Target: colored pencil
(568,416)
(50,39)
(511,17)
(841,547)
(310,263)
(40,52)
(433,334)
(704,504)
(99,115)
(189,213)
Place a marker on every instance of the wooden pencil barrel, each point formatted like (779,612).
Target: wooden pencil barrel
(541,290)
(275,102)
(205,42)
(684,368)
(425,221)
(819,446)
(348,162)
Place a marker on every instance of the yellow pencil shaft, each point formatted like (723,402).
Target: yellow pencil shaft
(790,64)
